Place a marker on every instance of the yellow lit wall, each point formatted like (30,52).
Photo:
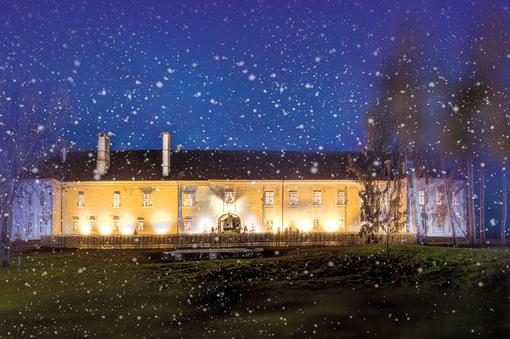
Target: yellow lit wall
(161,217)
(208,206)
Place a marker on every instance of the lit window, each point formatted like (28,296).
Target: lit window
(188,199)
(147,199)
(421,198)
(341,223)
(269,198)
(340,198)
(76,224)
(269,226)
(116,199)
(188,222)
(229,197)
(317,198)
(81,199)
(139,224)
(116,221)
(293,198)
(93,224)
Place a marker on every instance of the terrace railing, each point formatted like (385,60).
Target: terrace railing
(213,240)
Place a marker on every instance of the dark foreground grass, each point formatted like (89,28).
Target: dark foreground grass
(348,292)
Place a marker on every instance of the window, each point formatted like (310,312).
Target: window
(29,198)
(440,226)
(28,230)
(41,198)
(340,198)
(229,197)
(293,198)
(421,198)
(147,199)
(269,198)
(269,226)
(188,222)
(455,199)
(116,222)
(188,199)
(76,224)
(439,198)
(341,224)
(116,199)
(93,224)
(317,198)
(81,199)
(139,224)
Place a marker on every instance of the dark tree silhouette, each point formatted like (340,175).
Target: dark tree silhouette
(30,122)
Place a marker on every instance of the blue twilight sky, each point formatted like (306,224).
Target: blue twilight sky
(267,74)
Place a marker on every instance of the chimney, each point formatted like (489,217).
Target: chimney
(64,154)
(178,148)
(103,153)
(166,154)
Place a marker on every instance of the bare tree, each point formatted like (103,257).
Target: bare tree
(398,119)
(382,195)
(30,123)
(477,123)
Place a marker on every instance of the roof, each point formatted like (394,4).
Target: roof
(210,165)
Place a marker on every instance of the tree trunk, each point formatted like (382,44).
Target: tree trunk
(471,230)
(5,247)
(505,208)
(421,237)
(448,194)
(482,205)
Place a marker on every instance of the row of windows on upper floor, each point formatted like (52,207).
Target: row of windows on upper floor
(188,199)
(439,198)
(269,198)
(41,196)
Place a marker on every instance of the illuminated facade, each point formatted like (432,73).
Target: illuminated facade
(196,192)
(171,207)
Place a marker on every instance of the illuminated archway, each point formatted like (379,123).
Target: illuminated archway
(229,223)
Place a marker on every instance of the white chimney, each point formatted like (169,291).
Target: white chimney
(103,153)
(64,154)
(166,154)
(178,148)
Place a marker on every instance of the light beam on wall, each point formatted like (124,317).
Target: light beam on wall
(127,225)
(160,222)
(305,226)
(332,226)
(105,225)
(85,228)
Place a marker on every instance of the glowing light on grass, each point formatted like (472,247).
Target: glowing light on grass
(160,222)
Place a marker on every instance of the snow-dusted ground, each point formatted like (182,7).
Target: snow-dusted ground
(351,292)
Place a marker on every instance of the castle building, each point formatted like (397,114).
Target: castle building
(174,192)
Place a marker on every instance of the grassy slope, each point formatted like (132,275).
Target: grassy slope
(355,291)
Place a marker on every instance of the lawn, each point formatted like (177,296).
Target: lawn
(348,292)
